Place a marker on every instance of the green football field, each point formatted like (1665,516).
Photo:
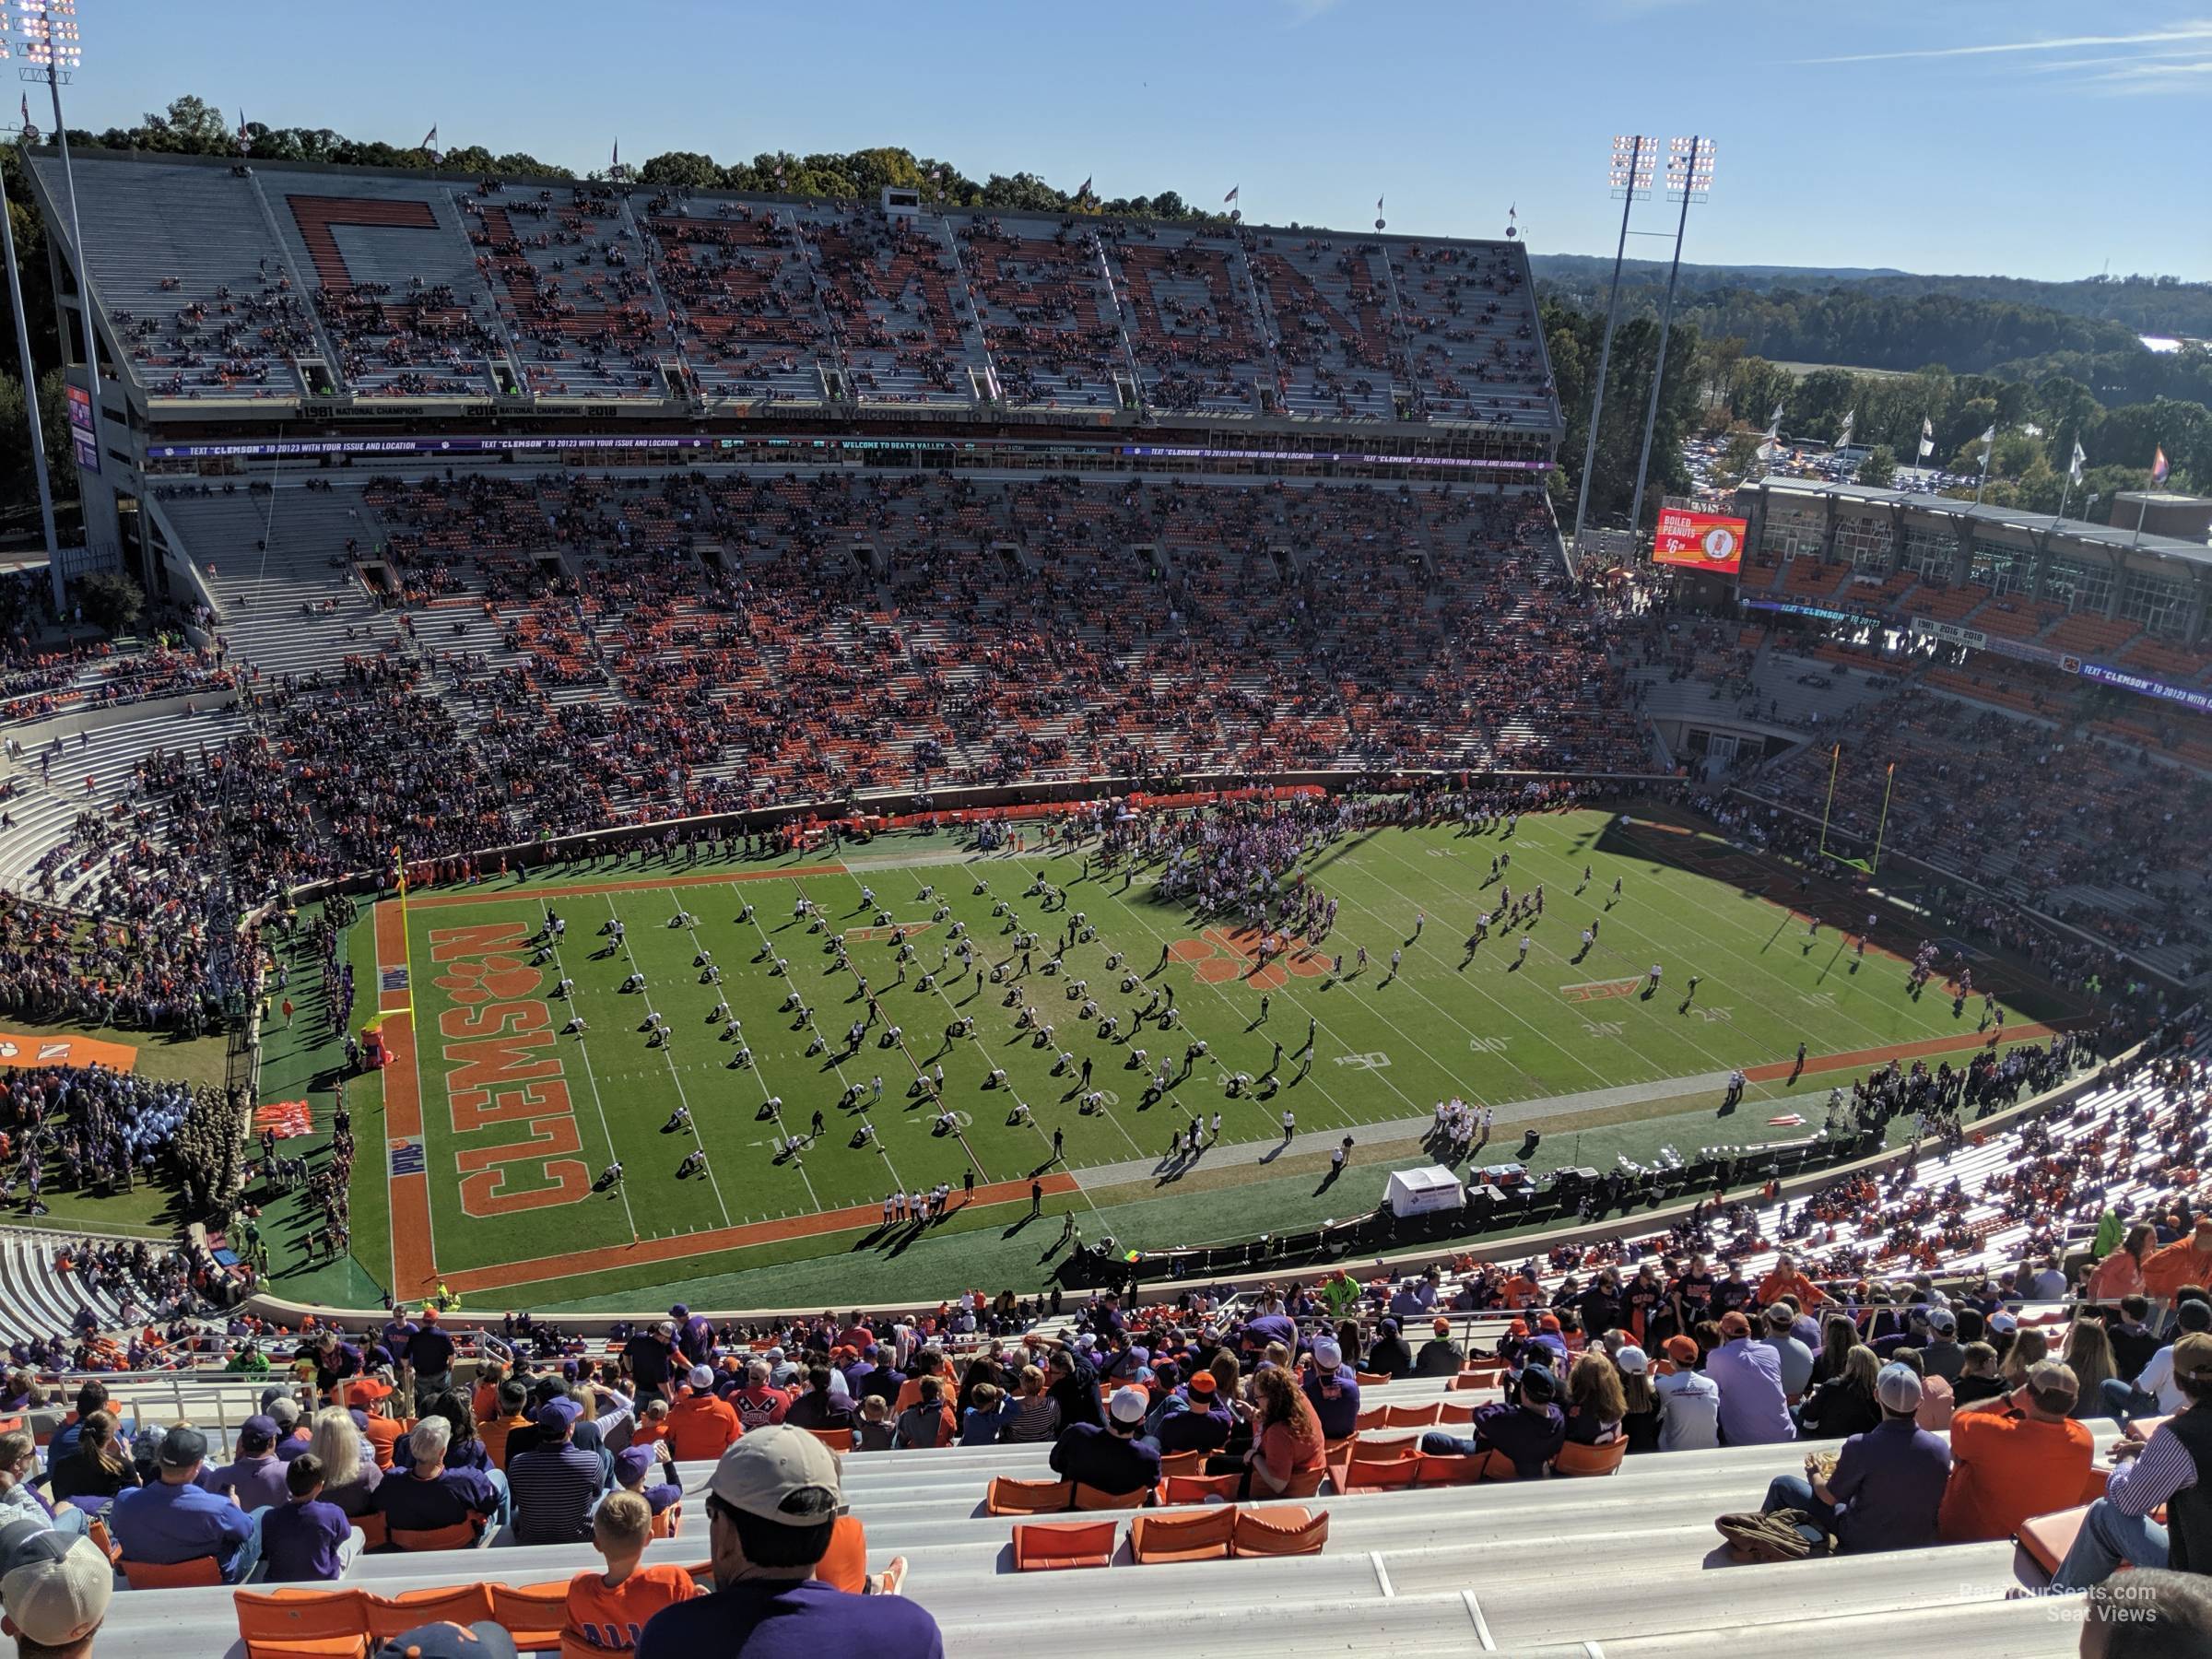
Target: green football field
(520,1117)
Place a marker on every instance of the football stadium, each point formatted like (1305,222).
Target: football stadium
(737,901)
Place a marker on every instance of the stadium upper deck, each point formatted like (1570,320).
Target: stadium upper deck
(244,294)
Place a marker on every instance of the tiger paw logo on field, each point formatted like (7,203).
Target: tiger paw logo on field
(488,978)
(1219,954)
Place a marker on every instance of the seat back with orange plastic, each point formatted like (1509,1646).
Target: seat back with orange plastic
(461,1535)
(1410,1416)
(1042,1545)
(1364,1474)
(1276,1532)
(1201,1538)
(838,1441)
(1182,1462)
(1200,1489)
(1372,1379)
(2044,1539)
(1450,1470)
(171,1575)
(302,1623)
(1303,1483)
(1090,1498)
(1577,1459)
(666,1521)
(1497,1466)
(372,1528)
(390,1616)
(532,1614)
(1009,1496)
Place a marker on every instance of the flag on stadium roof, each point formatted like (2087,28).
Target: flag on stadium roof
(1991,435)
(1083,190)
(1851,418)
(1231,195)
(429,139)
(1927,437)
(2160,466)
(2074,466)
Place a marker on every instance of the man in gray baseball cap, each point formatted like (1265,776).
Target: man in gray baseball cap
(773,1504)
(53,1590)
(1887,1484)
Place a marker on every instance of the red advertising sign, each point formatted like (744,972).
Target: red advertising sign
(1702,541)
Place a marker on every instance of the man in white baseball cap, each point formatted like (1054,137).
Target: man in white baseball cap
(773,1505)
(1112,1459)
(53,1590)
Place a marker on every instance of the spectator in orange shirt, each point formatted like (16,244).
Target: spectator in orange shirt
(608,1609)
(2184,1261)
(701,1426)
(484,1400)
(1785,1280)
(653,1426)
(512,1414)
(929,1362)
(2017,1456)
(379,1427)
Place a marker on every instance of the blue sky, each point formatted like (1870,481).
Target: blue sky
(1988,135)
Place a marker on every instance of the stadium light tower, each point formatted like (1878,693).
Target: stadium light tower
(1634,160)
(51,50)
(1689,180)
(30,384)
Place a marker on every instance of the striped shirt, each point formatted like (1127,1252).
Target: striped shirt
(2155,1473)
(553,1488)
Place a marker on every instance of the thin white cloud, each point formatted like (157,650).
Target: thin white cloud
(2200,32)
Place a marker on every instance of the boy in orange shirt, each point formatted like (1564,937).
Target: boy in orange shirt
(608,1609)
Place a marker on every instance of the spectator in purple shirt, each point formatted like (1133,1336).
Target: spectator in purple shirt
(772,1504)
(1887,1485)
(256,1477)
(429,1353)
(430,1496)
(1530,1433)
(304,1540)
(176,1520)
(1333,1389)
(649,1358)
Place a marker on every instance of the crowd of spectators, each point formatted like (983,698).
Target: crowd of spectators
(1976,785)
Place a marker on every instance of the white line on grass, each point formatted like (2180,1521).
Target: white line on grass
(583,1052)
(665,1047)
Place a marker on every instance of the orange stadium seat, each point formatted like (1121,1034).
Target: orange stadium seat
(1046,1545)
(302,1623)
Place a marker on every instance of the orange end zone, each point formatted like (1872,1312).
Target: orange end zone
(414,1263)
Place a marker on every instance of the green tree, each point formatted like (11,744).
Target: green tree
(190,126)
(112,600)
(1879,471)
(684,170)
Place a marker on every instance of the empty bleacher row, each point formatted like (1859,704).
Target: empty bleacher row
(269,281)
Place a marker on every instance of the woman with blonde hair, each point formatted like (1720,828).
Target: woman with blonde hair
(349,1479)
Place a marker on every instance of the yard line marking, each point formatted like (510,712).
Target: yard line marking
(667,1054)
(583,1052)
(1035,1127)
(875,1137)
(1346,1117)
